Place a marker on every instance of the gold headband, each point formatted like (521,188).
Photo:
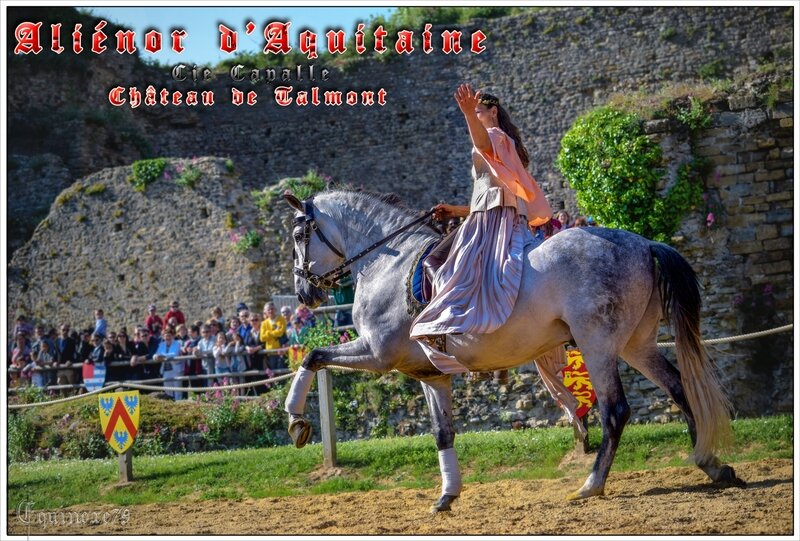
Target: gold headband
(490,101)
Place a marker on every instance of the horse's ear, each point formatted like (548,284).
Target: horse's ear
(292,200)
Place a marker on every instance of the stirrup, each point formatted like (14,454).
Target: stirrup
(437,341)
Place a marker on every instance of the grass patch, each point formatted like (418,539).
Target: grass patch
(95,189)
(367,464)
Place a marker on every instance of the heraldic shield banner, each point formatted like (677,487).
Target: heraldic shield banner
(119,418)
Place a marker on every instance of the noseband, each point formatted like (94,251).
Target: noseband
(331,278)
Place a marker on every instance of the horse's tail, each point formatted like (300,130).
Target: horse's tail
(680,303)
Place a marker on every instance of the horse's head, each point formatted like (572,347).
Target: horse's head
(316,259)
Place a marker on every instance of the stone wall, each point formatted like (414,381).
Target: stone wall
(547,65)
(121,250)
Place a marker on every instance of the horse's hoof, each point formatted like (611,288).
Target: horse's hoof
(443,504)
(583,494)
(300,431)
(727,476)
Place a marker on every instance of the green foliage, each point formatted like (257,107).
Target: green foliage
(251,239)
(81,218)
(232,423)
(86,443)
(302,187)
(229,165)
(30,394)
(358,396)
(668,33)
(146,172)
(693,115)
(230,221)
(188,177)
(21,436)
(95,189)
(615,170)
(613,167)
(712,70)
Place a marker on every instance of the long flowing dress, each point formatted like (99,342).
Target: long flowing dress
(476,288)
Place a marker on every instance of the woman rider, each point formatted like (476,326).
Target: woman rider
(475,289)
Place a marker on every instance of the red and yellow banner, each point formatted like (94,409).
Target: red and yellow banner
(576,379)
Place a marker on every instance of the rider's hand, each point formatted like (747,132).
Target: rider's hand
(467,99)
(442,212)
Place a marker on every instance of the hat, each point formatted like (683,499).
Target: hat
(241,306)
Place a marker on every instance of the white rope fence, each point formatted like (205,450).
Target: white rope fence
(736,338)
(133,385)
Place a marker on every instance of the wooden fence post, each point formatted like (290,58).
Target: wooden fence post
(126,466)
(327,419)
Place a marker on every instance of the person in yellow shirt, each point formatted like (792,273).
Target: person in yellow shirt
(272,328)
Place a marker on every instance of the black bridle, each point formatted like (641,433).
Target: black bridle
(331,278)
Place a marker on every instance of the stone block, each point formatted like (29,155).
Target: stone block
(787,153)
(778,267)
(765,174)
(782,196)
(787,122)
(766,231)
(782,110)
(768,142)
(733,169)
(779,215)
(745,247)
(722,160)
(708,151)
(754,166)
(778,164)
(737,103)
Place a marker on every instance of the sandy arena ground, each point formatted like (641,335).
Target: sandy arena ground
(676,501)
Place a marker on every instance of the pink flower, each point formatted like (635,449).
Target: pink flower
(710,219)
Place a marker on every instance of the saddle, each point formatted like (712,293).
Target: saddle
(420,280)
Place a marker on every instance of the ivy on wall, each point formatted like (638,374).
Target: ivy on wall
(615,170)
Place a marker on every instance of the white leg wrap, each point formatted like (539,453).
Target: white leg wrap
(301,384)
(451,477)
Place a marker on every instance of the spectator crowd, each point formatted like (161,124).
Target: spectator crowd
(218,346)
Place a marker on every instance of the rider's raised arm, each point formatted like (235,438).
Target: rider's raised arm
(467,101)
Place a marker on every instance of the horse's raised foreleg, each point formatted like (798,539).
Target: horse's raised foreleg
(614,413)
(354,354)
(438,395)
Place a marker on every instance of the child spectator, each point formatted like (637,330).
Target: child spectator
(297,332)
(174,311)
(43,358)
(238,358)
(100,323)
(19,359)
(233,327)
(153,319)
(221,355)
(216,314)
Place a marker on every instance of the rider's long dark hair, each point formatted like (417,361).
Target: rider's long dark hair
(504,119)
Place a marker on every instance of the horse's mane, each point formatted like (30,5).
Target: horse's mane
(391,199)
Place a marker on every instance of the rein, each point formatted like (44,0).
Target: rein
(331,278)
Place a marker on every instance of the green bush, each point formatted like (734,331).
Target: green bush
(693,115)
(146,172)
(188,177)
(615,170)
(86,443)
(21,436)
(302,187)
(251,239)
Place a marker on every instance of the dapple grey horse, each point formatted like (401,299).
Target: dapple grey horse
(604,289)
